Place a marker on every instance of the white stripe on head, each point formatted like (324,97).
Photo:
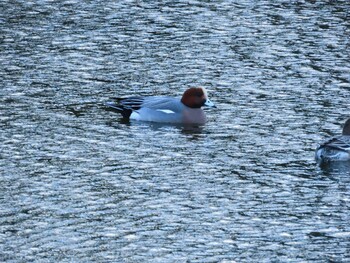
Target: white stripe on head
(205,92)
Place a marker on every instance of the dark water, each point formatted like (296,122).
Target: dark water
(79,185)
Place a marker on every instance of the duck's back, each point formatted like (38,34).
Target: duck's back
(163,103)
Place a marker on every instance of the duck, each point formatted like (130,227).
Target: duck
(165,109)
(336,148)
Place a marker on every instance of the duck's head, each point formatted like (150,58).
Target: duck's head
(196,98)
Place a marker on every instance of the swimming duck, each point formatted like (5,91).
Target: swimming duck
(187,110)
(336,148)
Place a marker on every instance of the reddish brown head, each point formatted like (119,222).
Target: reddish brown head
(346,129)
(196,98)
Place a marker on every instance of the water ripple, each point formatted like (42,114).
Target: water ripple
(79,184)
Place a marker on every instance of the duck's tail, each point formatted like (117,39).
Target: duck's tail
(119,108)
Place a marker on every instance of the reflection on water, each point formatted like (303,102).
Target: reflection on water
(80,184)
(335,168)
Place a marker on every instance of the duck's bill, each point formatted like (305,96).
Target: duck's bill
(208,103)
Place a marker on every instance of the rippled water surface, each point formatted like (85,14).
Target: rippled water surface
(79,185)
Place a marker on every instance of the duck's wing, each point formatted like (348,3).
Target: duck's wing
(339,143)
(126,106)
(334,149)
(132,103)
(165,104)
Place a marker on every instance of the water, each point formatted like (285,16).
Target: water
(79,185)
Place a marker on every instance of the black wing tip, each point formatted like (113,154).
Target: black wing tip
(125,106)
(119,108)
(114,106)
